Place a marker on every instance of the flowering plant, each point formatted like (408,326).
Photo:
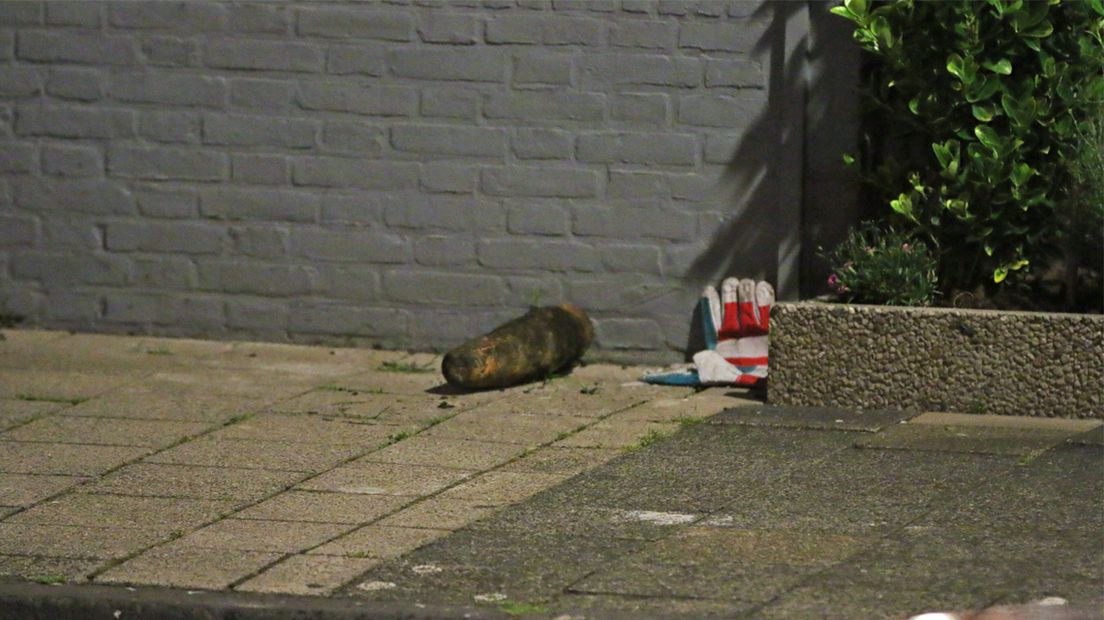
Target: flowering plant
(875,266)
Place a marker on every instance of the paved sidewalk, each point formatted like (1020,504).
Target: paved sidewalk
(352,476)
(272,468)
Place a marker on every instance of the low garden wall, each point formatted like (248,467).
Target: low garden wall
(937,359)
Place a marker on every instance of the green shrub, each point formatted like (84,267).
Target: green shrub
(874,266)
(980,107)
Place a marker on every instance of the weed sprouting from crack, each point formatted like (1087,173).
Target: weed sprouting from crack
(49,580)
(31,398)
(407,367)
(653,436)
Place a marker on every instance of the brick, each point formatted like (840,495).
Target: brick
(71,232)
(450,103)
(243,130)
(69,268)
(746,8)
(535,291)
(263,315)
(18,231)
(692,187)
(645,34)
(649,69)
(96,196)
(534,29)
(626,258)
(259,241)
(198,16)
(636,185)
(537,219)
(544,68)
(720,148)
(71,161)
(551,182)
(75,47)
(261,94)
(537,255)
(362,60)
(164,272)
(335,172)
(449,140)
(169,127)
(628,334)
(444,288)
(168,237)
(239,276)
(734,73)
(554,105)
(444,251)
(531,143)
(356,23)
(263,18)
(164,163)
(170,51)
(261,55)
(454,28)
(7,45)
(448,177)
(637,148)
(353,137)
(357,282)
(720,110)
(345,97)
(168,204)
(321,317)
(639,107)
(60,121)
(349,245)
(473,65)
(73,13)
(349,209)
(631,223)
(723,36)
(255,203)
(14,13)
(259,169)
(638,6)
(416,210)
(17,157)
(19,81)
(75,83)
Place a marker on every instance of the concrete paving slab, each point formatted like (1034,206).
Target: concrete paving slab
(445,452)
(322,507)
(38,539)
(256,454)
(160,514)
(968,439)
(688,407)
(377,541)
(393,382)
(385,479)
(192,481)
(27,489)
(718,546)
(731,582)
(520,428)
(498,488)
(153,399)
(256,535)
(306,429)
(614,433)
(383,408)
(867,602)
(440,512)
(312,575)
(1094,437)
(566,397)
(105,431)
(817,418)
(182,566)
(263,385)
(57,386)
(942,418)
(66,459)
(45,569)
(602,605)
(15,411)
(557,460)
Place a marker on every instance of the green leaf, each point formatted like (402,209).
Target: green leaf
(1041,31)
(903,206)
(987,136)
(955,66)
(858,7)
(983,112)
(914,105)
(1002,66)
(982,89)
(1021,173)
(943,154)
(842,12)
(999,274)
(848,159)
(880,26)
(1098,6)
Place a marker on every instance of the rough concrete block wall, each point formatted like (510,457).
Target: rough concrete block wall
(405,173)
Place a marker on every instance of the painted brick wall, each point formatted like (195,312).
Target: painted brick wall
(405,173)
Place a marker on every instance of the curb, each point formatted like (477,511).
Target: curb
(22,600)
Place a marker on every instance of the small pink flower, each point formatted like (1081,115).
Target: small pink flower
(833,281)
(906,247)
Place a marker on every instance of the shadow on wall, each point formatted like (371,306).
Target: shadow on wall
(790,192)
